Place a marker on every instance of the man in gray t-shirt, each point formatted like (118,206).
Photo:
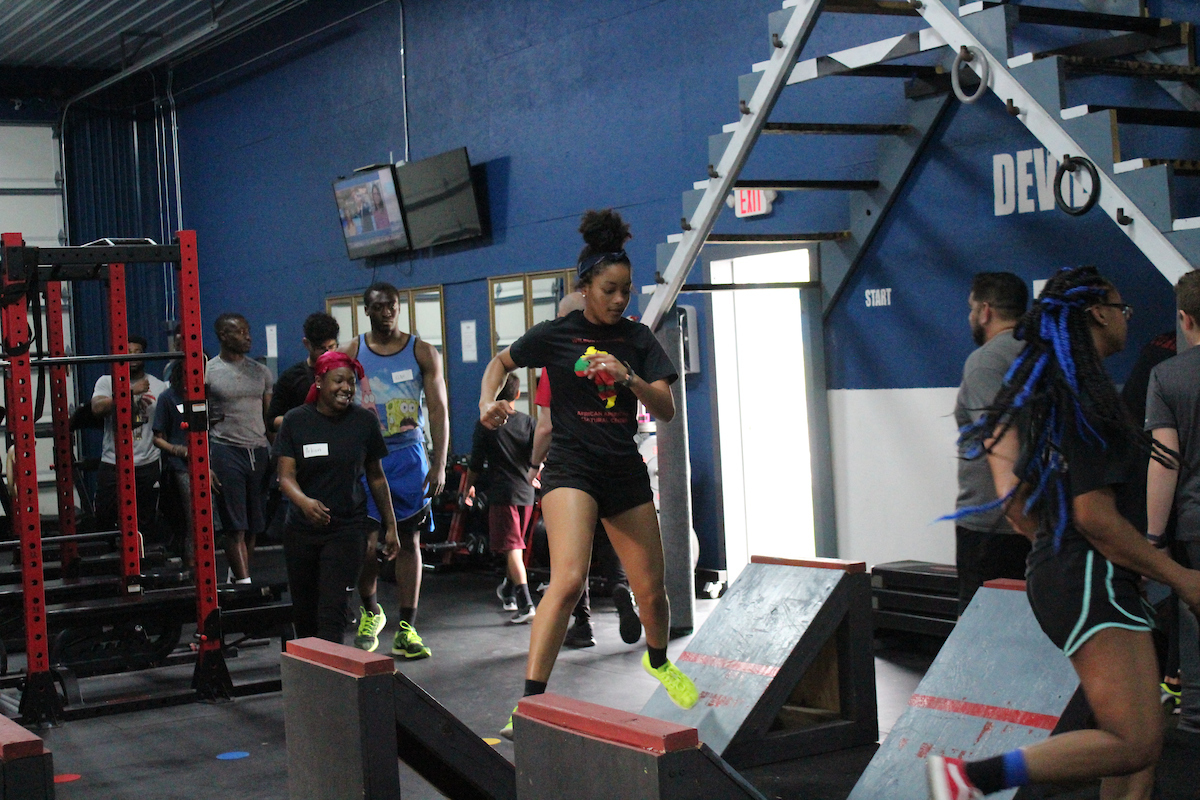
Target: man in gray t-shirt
(239,392)
(986,547)
(1173,418)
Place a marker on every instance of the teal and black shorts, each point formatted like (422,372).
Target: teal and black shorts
(1078,593)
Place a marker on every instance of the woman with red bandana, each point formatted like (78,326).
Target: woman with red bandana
(324,447)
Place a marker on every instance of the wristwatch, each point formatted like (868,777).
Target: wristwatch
(629,376)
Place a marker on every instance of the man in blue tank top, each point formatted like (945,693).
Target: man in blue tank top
(400,370)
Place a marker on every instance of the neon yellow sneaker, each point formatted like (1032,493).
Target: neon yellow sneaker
(369,627)
(507,730)
(1170,694)
(679,686)
(408,643)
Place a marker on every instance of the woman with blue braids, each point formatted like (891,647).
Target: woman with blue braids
(1061,446)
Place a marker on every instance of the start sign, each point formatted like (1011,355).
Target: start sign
(751,202)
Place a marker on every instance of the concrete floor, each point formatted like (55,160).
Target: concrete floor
(477,672)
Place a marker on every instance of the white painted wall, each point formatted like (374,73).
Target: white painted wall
(895,472)
(29,161)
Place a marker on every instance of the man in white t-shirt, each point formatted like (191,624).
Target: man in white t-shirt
(146,389)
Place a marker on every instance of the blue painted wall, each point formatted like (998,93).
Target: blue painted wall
(941,231)
(569,106)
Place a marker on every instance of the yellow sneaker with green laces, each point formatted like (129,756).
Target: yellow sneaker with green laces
(369,627)
(507,730)
(408,643)
(679,686)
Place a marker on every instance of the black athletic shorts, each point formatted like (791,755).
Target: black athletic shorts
(617,486)
(242,472)
(1078,593)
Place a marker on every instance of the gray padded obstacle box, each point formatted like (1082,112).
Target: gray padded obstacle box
(349,716)
(569,748)
(997,684)
(26,766)
(783,665)
(337,717)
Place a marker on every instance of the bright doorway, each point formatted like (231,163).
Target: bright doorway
(762,409)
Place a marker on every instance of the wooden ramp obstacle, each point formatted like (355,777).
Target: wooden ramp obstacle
(783,665)
(998,683)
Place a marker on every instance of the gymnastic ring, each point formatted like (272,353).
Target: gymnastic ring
(971,55)
(1069,164)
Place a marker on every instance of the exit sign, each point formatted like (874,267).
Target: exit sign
(751,202)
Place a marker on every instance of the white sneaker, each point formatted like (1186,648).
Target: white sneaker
(522,616)
(948,780)
(507,598)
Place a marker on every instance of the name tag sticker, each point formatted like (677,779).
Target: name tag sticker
(315,450)
(401,376)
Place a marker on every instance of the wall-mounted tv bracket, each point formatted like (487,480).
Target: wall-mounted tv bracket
(24,271)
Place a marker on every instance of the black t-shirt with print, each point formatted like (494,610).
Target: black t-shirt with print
(330,454)
(591,420)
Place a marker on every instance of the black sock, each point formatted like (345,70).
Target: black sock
(534,687)
(658,656)
(987,775)
(408,614)
(524,599)
(371,604)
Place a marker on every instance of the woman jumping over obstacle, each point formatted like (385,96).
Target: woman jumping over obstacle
(1059,442)
(599,366)
(325,447)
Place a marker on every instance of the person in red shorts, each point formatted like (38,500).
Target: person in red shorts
(507,452)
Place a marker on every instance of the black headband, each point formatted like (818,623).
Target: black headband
(589,263)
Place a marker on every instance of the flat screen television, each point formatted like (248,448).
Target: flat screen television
(439,199)
(370,213)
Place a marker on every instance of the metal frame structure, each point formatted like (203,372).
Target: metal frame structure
(60,414)
(1090,133)
(24,271)
(1137,194)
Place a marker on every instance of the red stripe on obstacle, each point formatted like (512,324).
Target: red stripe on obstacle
(1029,719)
(1006,583)
(819,563)
(726,663)
(340,657)
(608,724)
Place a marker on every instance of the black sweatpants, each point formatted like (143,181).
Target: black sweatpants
(322,567)
(146,486)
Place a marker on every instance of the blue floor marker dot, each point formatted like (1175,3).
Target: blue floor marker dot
(233,755)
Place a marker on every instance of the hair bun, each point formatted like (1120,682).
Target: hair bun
(604,231)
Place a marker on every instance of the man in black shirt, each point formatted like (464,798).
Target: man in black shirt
(507,451)
(320,336)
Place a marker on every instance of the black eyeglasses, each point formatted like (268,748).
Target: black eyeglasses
(1126,309)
